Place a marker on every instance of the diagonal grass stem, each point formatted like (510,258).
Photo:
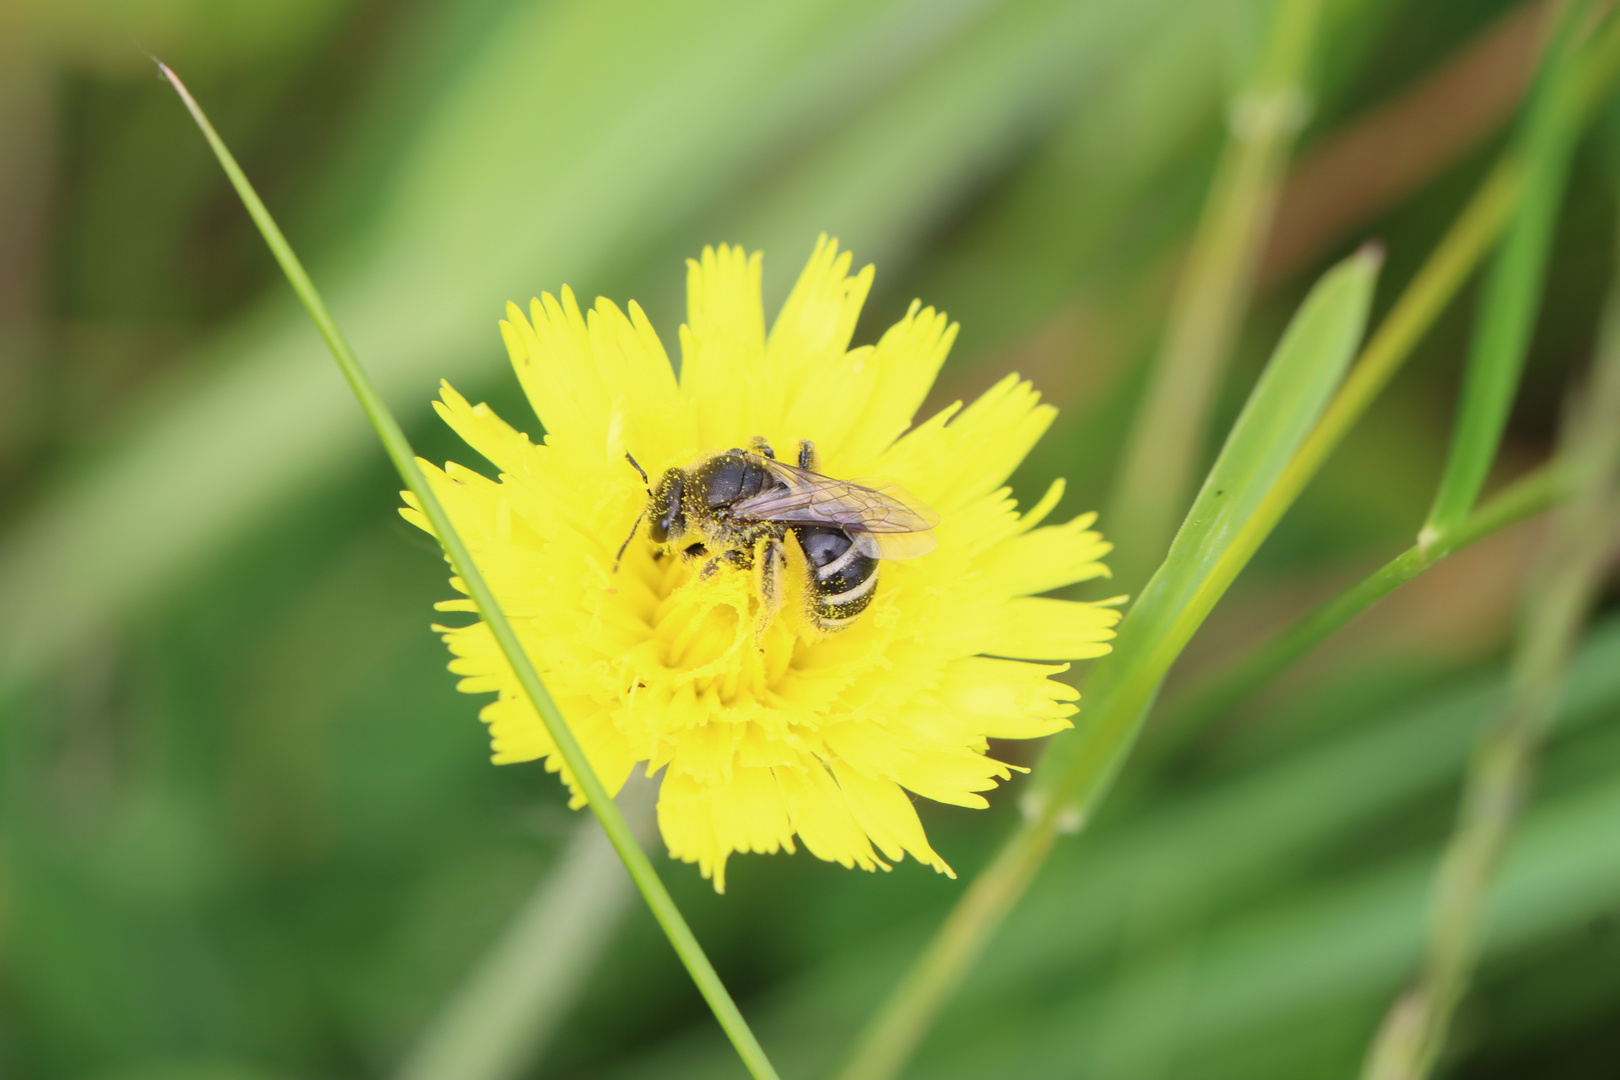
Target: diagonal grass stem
(1558,599)
(1524,499)
(399,452)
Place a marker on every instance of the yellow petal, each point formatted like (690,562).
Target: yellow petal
(1038,628)
(887,816)
(821,816)
(1048,558)
(723,345)
(551,352)
(889,384)
(807,350)
(950,465)
(1009,698)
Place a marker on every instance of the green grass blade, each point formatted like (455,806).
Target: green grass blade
(1217,539)
(399,452)
(1511,295)
(890,1037)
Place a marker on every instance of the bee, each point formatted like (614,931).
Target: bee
(719,508)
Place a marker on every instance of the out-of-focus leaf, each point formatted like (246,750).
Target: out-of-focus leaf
(554,154)
(883,177)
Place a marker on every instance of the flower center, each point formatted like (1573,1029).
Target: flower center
(710,634)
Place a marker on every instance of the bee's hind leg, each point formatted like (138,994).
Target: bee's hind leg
(807,455)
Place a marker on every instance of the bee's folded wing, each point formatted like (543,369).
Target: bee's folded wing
(894,546)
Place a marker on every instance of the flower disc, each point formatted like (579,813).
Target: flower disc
(787,733)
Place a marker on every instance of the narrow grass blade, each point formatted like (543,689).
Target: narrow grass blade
(1207,554)
(1511,295)
(1524,499)
(1558,598)
(399,452)
(1212,298)
(1217,540)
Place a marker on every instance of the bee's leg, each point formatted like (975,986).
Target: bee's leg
(807,455)
(771,570)
(618,558)
(736,559)
(759,445)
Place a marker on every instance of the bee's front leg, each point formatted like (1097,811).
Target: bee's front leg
(771,570)
(737,560)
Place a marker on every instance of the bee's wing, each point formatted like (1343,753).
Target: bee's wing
(896,547)
(886,524)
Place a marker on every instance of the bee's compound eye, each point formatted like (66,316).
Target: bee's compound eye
(822,546)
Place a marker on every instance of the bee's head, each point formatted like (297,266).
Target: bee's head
(664,507)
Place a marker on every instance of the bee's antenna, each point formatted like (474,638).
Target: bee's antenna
(617,559)
(638,469)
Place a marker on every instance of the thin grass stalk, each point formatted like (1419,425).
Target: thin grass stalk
(1510,297)
(1171,427)
(399,452)
(1525,498)
(1557,602)
(901,1022)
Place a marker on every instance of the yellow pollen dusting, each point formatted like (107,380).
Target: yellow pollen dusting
(709,631)
(767,736)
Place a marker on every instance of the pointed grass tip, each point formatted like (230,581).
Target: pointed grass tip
(179,87)
(1371,252)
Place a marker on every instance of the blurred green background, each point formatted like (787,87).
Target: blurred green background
(249,830)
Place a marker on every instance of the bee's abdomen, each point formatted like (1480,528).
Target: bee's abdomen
(842,580)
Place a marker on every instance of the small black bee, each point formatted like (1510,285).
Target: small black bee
(720,507)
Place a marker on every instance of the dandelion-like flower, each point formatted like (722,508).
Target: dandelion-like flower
(769,731)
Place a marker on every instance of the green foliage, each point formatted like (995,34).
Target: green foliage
(250,831)
(1217,539)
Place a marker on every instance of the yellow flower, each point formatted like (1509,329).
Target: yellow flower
(765,735)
